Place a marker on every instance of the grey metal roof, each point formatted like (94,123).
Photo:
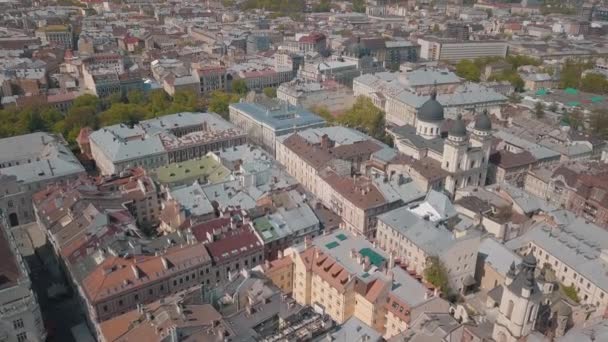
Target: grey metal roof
(280,117)
(577,244)
(424,234)
(37,156)
(497,255)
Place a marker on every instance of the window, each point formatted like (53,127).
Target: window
(21,337)
(150,292)
(120,302)
(18,324)
(509,309)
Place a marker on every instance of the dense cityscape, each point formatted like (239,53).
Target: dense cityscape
(304,170)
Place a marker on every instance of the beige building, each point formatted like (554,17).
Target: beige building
(414,240)
(576,251)
(29,163)
(346,276)
(20,317)
(160,141)
(324,166)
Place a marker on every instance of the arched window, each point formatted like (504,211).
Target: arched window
(509,309)
(530,317)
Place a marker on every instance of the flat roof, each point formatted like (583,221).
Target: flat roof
(205,166)
(279,117)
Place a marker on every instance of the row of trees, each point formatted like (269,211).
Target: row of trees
(363,116)
(89,110)
(471,70)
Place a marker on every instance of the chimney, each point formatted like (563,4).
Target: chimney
(391,261)
(280,255)
(307,242)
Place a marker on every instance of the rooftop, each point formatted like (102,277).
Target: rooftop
(205,167)
(279,115)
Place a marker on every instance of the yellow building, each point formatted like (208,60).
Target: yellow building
(280,272)
(346,276)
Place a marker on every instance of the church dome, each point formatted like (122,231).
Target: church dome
(431,110)
(483,122)
(458,128)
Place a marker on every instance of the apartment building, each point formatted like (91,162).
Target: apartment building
(402,94)
(577,186)
(452,50)
(19,311)
(288,220)
(326,167)
(56,35)
(160,141)
(212,78)
(575,250)
(347,277)
(118,285)
(29,163)
(415,239)
(331,95)
(231,242)
(265,120)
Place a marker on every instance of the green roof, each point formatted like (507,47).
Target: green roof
(263,226)
(571,91)
(541,91)
(375,258)
(341,237)
(596,99)
(205,167)
(331,245)
(573,103)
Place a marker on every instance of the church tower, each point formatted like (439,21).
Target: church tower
(519,304)
(454,153)
(482,138)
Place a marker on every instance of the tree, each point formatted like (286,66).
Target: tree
(363,115)
(220,101)
(576,119)
(322,6)
(323,112)
(270,92)
(598,123)
(570,292)
(436,274)
(184,101)
(512,77)
(570,76)
(86,100)
(239,87)
(468,70)
(539,110)
(359,6)
(553,107)
(594,83)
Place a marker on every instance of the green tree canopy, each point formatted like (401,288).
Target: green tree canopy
(539,110)
(436,274)
(270,92)
(468,70)
(366,117)
(239,87)
(598,122)
(359,6)
(594,83)
(220,101)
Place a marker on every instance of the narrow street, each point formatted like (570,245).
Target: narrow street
(59,314)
